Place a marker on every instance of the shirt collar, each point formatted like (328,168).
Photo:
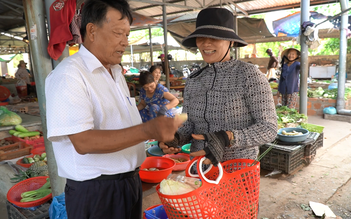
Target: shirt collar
(91,61)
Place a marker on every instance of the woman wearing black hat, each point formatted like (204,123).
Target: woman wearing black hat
(229,102)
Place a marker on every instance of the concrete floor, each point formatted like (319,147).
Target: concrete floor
(326,180)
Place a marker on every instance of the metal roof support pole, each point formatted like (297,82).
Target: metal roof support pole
(151,48)
(305,14)
(38,42)
(340,102)
(166,63)
(65,52)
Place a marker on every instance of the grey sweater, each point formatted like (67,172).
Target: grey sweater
(231,95)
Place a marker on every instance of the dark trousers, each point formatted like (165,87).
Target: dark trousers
(104,198)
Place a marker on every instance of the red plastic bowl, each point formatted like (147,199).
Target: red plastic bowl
(14,194)
(182,165)
(165,166)
(26,165)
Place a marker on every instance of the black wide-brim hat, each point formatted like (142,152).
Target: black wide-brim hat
(215,23)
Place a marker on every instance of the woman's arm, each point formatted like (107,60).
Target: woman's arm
(173,101)
(141,105)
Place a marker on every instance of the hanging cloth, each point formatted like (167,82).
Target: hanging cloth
(75,29)
(61,15)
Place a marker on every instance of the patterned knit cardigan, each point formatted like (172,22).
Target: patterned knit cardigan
(231,95)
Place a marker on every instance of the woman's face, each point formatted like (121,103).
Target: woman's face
(157,74)
(213,50)
(292,55)
(150,87)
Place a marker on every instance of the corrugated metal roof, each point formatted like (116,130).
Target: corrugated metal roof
(153,7)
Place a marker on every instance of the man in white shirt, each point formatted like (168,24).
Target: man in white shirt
(94,124)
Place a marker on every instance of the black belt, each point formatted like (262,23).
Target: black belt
(118,176)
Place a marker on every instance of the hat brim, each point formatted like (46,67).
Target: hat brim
(190,41)
(285,53)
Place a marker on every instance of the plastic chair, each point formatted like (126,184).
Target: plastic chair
(132,89)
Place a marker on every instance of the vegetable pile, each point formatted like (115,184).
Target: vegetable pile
(9,118)
(22,132)
(35,158)
(331,94)
(40,193)
(289,117)
(39,168)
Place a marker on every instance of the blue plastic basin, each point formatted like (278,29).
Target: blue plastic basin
(295,138)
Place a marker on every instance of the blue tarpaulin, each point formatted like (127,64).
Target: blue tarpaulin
(290,25)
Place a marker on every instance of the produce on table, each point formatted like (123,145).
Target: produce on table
(9,118)
(39,168)
(151,169)
(289,117)
(4,142)
(293,133)
(35,158)
(22,132)
(331,94)
(34,195)
(178,160)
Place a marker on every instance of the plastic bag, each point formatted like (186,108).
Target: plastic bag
(329,110)
(9,118)
(57,208)
(21,82)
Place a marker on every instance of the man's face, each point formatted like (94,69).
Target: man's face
(111,38)
(213,50)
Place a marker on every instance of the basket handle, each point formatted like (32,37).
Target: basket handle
(202,174)
(192,162)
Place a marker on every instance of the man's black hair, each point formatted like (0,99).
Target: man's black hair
(94,11)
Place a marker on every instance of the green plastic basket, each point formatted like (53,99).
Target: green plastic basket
(312,127)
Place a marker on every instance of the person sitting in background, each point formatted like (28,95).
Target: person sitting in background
(156,72)
(155,99)
(272,64)
(289,80)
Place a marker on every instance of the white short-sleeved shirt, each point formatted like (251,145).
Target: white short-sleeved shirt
(81,95)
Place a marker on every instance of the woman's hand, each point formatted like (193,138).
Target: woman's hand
(168,150)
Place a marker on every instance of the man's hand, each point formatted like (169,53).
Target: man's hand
(162,128)
(168,150)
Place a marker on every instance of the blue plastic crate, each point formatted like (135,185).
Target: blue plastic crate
(156,213)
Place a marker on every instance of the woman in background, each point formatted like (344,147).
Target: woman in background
(155,99)
(289,80)
(156,72)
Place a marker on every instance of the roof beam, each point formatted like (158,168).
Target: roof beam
(14,4)
(297,5)
(10,17)
(8,6)
(156,3)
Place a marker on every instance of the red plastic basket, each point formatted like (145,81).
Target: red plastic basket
(228,192)
(38,150)
(35,143)
(14,194)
